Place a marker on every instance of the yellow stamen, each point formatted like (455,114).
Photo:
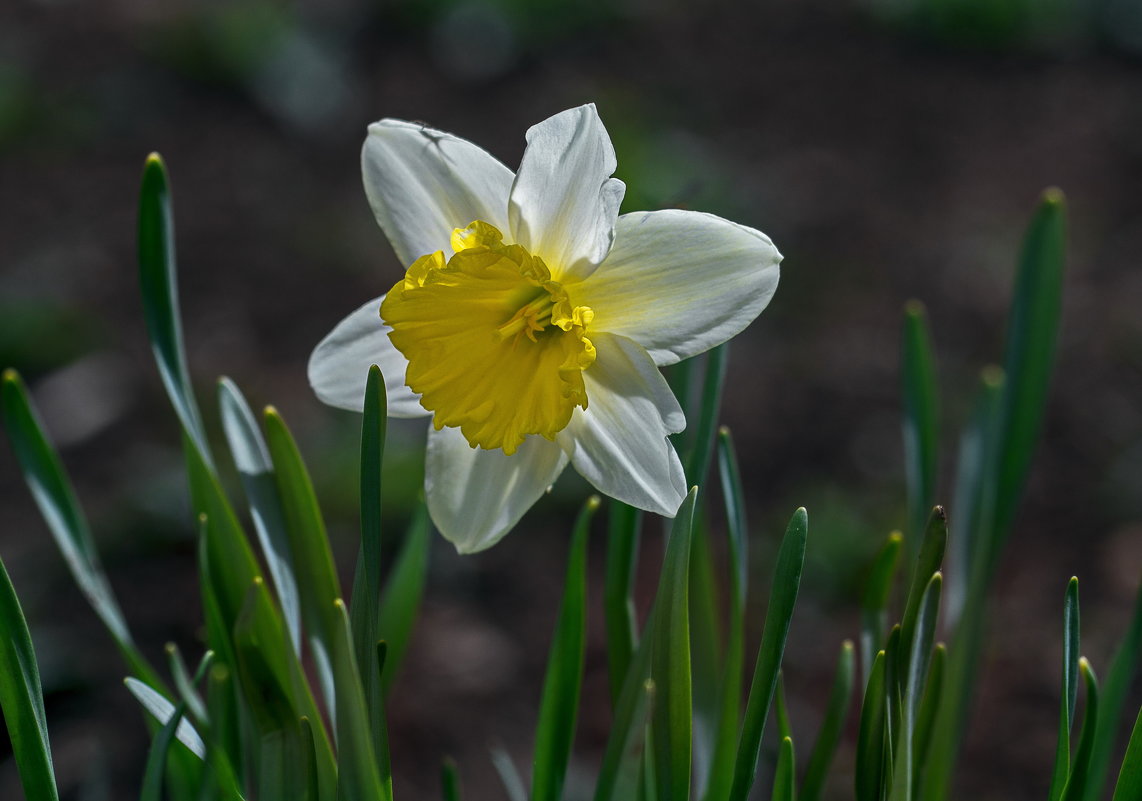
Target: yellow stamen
(494,346)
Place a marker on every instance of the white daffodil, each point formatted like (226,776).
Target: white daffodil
(532,319)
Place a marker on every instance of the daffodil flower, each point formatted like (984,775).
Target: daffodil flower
(532,319)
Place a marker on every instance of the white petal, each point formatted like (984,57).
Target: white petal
(339,365)
(424,183)
(564,202)
(475,496)
(619,442)
(680,282)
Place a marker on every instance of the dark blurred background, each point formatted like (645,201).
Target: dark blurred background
(892,149)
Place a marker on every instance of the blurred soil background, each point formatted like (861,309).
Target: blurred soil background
(892,149)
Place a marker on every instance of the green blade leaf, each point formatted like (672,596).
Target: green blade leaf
(875,598)
(1129,785)
(1077,782)
(705,652)
(782,599)
(1062,767)
(22,698)
(449,781)
(915,678)
(252,459)
(784,780)
(1123,667)
(671,721)
(618,592)
(157,758)
(928,562)
(46,478)
(729,712)
(403,593)
(184,684)
(921,418)
(158,283)
(870,767)
(365,605)
(163,711)
(358,774)
(509,775)
(1032,333)
(926,717)
(559,707)
(318,587)
(836,712)
(702,445)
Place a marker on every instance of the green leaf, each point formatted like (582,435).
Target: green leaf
(658,672)
(671,721)
(1077,782)
(1129,785)
(364,610)
(509,775)
(184,684)
(252,459)
(875,597)
(559,707)
(928,562)
(163,711)
(1032,333)
(449,781)
(157,758)
(618,592)
(318,587)
(784,780)
(784,727)
(1123,667)
(915,678)
(53,494)
(782,599)
(833,724)
(403,593)
(703,444)
(705,652)
(159,286)
(1062,767)
(22,698)
(921,418)
(359,777)
(733,667)
(870,768)
(926,717)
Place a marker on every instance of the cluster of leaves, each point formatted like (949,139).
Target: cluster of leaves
(250,721)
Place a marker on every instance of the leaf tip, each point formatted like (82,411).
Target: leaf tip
(915,309)
(1053,196)
(593,503)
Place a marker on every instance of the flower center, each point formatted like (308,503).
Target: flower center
(494,346)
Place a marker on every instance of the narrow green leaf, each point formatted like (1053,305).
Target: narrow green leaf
(915,678)
(784,780)
(1077,782)
(784,727)
(1069,697)
(662,656)
(618,598)
(22,698)
(782,599)
(928,562)
(252,459)
(403,593)
(46,478)
(870,768)
(705,652)
(1032,332)
(450,781)
(703,444)
(162,710)
(1123,667)
(875,598)
(733,667)
(1129,785)
(559,707)
(157,758)
(671,721)
(921,418)
(184,684)
(358,774)
(509,775)
(159,286)
(318,587)
(833,724)
(930,704)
